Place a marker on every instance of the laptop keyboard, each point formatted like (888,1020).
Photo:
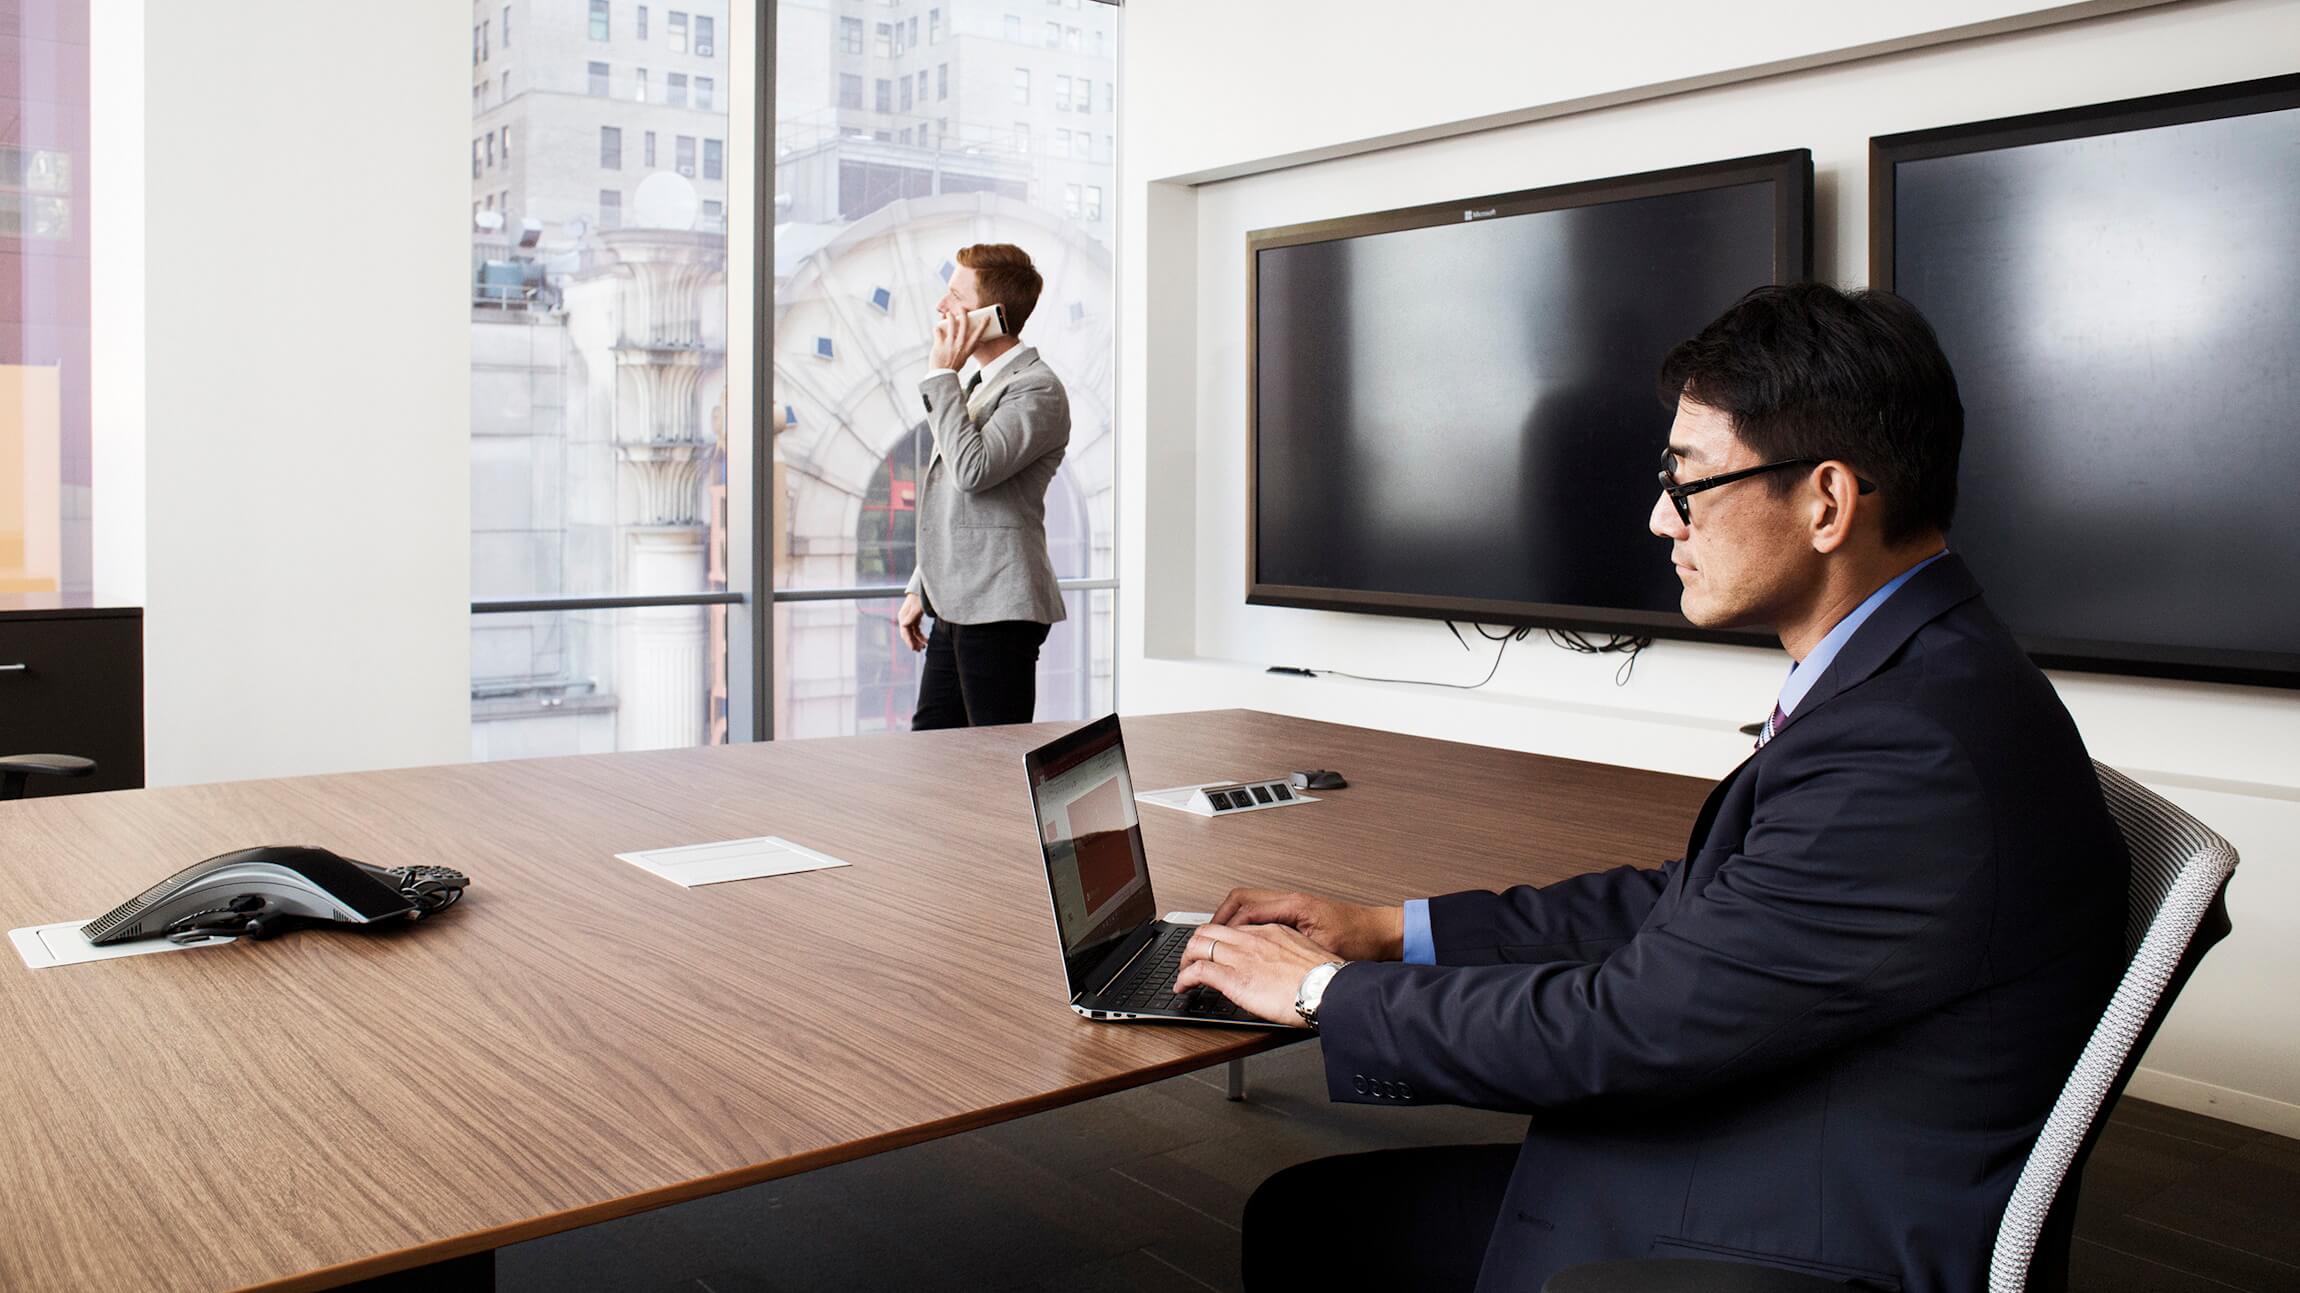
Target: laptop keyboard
(1149,984)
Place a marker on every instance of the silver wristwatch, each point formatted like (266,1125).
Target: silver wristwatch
(1313,990)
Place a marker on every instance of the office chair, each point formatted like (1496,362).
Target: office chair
(16,769)
(2177,910)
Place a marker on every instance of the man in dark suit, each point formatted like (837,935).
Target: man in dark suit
(1825,1038)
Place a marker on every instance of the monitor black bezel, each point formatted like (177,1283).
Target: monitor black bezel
(2211,103)
(1791,174)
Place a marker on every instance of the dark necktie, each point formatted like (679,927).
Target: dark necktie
(973,382)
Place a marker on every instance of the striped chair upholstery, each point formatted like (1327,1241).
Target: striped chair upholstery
(2178,910)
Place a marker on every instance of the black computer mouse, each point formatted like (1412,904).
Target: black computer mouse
(1317,779)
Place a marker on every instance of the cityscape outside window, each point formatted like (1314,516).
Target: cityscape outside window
(871,207)
(45,346)
(599,365)
(598,348)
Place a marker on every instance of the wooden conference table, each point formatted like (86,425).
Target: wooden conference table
(580,1040)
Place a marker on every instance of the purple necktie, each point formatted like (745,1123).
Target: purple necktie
(1772,726)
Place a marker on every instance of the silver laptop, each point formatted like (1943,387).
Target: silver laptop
(1121,959)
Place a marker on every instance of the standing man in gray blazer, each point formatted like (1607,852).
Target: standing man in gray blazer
(983,570)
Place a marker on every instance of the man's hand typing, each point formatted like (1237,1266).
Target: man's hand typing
(1353,932)
(1260,967)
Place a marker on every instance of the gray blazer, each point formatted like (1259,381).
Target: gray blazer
(982,507)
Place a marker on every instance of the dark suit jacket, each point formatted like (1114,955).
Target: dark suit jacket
(1824,1039)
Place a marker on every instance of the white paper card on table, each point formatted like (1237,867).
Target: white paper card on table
(763,855)
(1179,797)
(42,946)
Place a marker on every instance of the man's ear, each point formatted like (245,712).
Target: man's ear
(1834,497)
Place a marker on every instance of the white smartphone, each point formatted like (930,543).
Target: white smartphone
(994,316)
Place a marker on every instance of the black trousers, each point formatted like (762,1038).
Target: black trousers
(1392,1220)
(978,675)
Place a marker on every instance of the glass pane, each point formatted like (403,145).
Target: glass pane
(875,193)
(593,682)
(599,416)
(44,299)
(841,667)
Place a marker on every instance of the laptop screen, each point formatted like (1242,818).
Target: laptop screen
(1092,840)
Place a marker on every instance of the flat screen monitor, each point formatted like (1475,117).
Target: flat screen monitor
(1452,406)
(2118,289)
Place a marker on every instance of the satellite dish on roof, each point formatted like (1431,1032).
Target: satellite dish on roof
(487,221)
(576,227)
(665,200)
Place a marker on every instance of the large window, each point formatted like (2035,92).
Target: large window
(854,298)
(600,532)
(45,348)
(614,561)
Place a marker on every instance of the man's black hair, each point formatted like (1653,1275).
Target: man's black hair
(1807,371)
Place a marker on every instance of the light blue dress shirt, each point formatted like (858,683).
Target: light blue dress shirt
(1421,946)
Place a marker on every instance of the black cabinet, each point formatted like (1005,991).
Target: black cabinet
(72,682)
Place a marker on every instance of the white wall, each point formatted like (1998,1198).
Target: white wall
(1402,105)
(304,448)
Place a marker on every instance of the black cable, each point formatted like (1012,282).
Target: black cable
(1626,644)
(1504,638)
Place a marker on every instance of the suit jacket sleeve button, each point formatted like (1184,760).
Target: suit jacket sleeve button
(1359,1081)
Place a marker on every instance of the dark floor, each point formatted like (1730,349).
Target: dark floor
(1142,1190)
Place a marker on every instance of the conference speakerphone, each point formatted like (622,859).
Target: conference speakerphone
(1243,797)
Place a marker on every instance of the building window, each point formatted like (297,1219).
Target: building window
(898,41)
(883,39)
(1081,142)
(704,88)
(611,148)
(934,26)
(1070,200)
(714,159)
(1061,143)
(598,19)
(507,145)
(946,269)
(1101,48)
(1022,136)
(639,85)
(850,91)
(851,35)
(683,154)
(1071,37)
(1013,27)
(883,94)
(507,26)
(639,27)
(705,37)
(905,136)
(675,89)
(824,349)
(906,94)
(475,159)
(1094,202)
(476,56)
(1110,96)
(678,32)
(647,149)
(484,50)
(1054,35)
(505,95)
(922,85)
(610,208)
(599,79)
(914,32)
(1022,86)
(942,81)
(882,300)
(713,209)
(1062,94)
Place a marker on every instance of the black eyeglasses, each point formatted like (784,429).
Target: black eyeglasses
(1682,495)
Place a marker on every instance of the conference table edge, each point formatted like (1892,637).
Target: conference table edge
(1249,1042)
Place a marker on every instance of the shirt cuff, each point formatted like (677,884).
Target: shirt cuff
(933,373)
(1421,946)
